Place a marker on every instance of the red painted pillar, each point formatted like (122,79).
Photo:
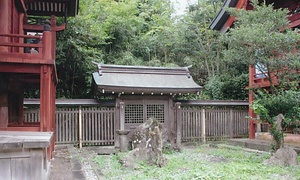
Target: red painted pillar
(251,113)
(5,6)
(45,97)
(47,89)
(45,84)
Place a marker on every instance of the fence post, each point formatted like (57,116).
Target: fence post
(231,123)
(122,116)
(178,124)
(80,127)
(203,136)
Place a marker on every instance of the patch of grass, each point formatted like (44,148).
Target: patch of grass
(201,162)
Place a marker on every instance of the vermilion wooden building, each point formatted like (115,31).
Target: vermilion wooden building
(223,21)
(27,61)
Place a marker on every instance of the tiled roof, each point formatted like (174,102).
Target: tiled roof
(144,80)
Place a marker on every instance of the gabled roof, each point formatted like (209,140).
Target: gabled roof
(144,80)
(48,7)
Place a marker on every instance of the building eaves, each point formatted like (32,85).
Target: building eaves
(48,7)
(221,18)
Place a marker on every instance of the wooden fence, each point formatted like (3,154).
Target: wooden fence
(31,115)
(219,123)
(94,125)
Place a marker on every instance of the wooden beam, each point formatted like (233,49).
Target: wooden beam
(20,129)
(22,57)
(20,36)
(41,27)
(241,4)
(11,44)
(17,68)
(294,24)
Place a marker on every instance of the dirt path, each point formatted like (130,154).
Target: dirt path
(61,165)
(73,163)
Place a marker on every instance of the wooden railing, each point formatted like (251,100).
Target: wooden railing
(15,48)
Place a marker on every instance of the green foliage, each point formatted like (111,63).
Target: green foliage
(141,32)
(73,62)
(202,162)
(269,106)
(110,32)
(226,87)
(197,44)
(286,102)
(261,36)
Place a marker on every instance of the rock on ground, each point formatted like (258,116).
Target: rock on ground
(285,156)
(147,144)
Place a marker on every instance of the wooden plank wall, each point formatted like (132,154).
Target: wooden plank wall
(220,123)
(98,124)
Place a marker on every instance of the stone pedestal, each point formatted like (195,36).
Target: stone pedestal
(23,155)
(123,140)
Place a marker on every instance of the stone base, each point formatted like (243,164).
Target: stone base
(123,140)
(288,138)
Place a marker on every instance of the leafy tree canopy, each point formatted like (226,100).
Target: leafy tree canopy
(144,32)
(262,36)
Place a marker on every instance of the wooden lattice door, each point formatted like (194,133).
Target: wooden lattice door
(138,111)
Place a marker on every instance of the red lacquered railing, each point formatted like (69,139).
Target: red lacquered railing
(14,49)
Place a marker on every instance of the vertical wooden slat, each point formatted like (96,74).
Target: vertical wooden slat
(71,115)
(93,124)
(112,126)
(105,137)
(57,127)
(80,127)
(203,119)
(101,129)
(97,126)
(179,124)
